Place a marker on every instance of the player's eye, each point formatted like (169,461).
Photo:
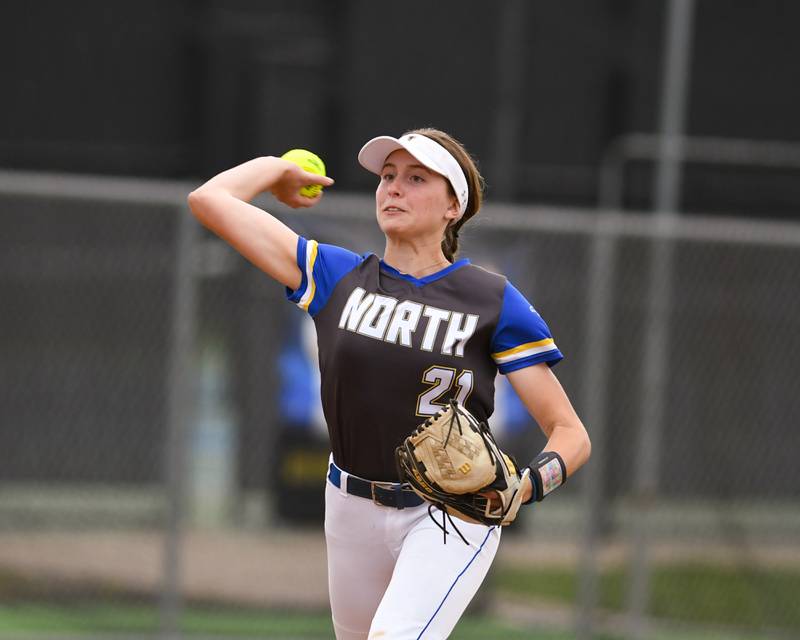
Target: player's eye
(387,176)
(417,178)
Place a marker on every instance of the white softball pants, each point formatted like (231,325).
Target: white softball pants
(390,575)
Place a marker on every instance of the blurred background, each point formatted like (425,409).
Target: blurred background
(162,452)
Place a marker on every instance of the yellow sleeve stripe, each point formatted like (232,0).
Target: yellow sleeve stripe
(525,350)
(311,286)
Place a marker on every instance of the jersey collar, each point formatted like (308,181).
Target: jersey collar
(427,279)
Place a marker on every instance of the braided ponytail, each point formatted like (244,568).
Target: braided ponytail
(450,240)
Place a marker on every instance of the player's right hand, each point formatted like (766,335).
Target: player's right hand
(291,179)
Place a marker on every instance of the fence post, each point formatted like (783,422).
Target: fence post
(677,57)
(594,395)
(180,398)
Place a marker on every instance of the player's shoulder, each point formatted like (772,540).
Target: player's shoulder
(481,276)
(337,261)
(477,286)
(337,253)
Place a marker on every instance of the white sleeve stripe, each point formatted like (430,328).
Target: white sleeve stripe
(311,288)
(525,353)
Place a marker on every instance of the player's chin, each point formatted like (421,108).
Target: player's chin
(393,224)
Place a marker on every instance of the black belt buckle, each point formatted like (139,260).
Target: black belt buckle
(396,489)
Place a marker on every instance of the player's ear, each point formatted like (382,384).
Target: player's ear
(453,209)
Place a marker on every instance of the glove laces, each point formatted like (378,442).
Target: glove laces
(445,516)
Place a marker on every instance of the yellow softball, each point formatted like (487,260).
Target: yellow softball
(310,162)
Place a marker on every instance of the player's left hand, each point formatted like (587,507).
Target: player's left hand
(526,487)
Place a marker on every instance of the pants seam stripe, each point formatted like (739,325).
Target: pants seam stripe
(454,583)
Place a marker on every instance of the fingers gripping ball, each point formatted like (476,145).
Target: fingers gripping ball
(310,162)
(453,462)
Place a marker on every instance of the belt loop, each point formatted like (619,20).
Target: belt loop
(338,474)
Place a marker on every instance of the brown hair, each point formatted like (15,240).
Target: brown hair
(475,185)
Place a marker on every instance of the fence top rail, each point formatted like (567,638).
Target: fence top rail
(694,228)
(359,206)
(92,187)
(706,149)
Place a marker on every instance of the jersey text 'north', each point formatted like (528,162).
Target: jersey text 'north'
(396,321)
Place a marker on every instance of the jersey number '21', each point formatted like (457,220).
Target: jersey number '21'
(441,380)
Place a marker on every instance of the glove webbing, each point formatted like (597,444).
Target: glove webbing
(482,431)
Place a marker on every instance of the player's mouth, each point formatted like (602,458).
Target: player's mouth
(393,209)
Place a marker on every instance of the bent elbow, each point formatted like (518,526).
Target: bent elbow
(195,200)
(583,447)
(203,205)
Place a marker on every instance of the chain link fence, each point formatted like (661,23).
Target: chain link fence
(162,450)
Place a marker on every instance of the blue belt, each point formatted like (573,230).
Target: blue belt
(386,494)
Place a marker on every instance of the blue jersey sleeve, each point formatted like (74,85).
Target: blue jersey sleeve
(522,337)
(322,266)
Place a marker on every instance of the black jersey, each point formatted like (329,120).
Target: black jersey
(393,349)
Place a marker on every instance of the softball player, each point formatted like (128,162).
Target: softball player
(398,337)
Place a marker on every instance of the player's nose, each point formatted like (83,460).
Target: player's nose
(393,188)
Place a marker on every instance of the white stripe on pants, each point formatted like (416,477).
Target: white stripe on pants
(390,575)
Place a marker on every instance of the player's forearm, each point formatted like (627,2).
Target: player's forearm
(567,449)
(571,442)
(247,180)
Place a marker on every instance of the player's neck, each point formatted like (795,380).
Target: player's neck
(414,259)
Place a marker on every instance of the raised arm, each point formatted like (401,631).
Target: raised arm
(222,205)
(545,399)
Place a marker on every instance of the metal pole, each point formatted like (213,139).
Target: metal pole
(594,395)
(602,269)
(180,389)
(677,55)
(508,114)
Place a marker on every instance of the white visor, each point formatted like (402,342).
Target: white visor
(430,153)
